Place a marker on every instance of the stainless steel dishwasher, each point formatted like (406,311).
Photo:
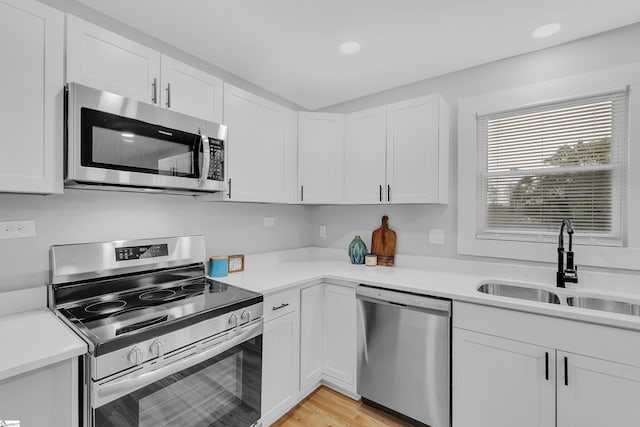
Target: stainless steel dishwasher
(404,353)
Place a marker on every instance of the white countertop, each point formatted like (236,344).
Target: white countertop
(33,339)
(36,337)
(459,285)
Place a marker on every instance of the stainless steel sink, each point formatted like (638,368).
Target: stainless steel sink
(603,304)
(520,292)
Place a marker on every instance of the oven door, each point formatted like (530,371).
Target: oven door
(219,386)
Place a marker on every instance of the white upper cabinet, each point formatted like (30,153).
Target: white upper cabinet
(190,91)
(31,112)
(418,151)
(398,153)
(320,157)
(107,61)
(261,148)
(365,157)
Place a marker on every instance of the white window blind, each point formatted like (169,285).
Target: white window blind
(561,160)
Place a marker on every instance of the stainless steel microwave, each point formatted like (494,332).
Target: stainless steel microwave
(116,143)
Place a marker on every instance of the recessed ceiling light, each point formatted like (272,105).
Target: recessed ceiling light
(349,48)
(128,135)
(546,30)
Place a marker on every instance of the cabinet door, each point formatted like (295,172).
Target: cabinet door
(44,397)
(280,360)
(417,151)
(340,335)
(320,157)
(365,157)
(107,61)
(32,52)
(311,335)
(597,392)
(501,383)
(191,91)
(261,148)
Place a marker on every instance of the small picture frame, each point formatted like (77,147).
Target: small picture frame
(236,263)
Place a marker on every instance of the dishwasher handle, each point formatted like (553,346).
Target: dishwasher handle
(378,295)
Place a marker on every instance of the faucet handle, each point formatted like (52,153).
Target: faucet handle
(571,275)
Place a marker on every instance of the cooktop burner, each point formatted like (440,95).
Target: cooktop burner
(159,295)
(105,307)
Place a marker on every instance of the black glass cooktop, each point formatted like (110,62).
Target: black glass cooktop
(112,316)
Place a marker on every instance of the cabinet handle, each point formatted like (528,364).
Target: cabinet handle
(154,85)
(381,192)
(283,305)
(566,371)
(388,193)
(229,183)
(168,95)
(302,193)
(546,365)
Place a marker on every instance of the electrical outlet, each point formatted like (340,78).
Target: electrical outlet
(323,231)
(436,236)
(269,221)
(17,229)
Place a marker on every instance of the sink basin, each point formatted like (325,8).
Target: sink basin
(520,292)
(603,304)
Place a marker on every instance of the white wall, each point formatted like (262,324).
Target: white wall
(89,216)
(410,222)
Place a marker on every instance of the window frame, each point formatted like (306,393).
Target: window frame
(540,249)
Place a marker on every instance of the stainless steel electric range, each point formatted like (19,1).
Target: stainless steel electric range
(167,345)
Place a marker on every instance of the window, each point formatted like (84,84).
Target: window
(560,160)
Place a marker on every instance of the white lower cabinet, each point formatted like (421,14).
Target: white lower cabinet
(280,355)
(519,369)
(44,397)
(597,392)
(499,382)
(339,347)
(328,337)
(311,335)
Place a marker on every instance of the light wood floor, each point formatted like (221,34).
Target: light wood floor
(327,408)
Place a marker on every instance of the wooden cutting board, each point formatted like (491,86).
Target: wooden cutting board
(383,244)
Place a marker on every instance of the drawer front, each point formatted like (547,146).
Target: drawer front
(279,304)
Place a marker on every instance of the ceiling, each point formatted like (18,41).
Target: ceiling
(290,47)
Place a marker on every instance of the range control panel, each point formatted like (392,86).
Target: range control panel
(139,252)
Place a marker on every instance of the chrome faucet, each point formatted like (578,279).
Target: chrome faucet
(569,274)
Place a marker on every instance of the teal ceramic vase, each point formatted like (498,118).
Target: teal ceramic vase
(357,250)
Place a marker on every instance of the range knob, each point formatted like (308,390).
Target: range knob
(135,356)
(233,320)
(156,348)
(245,316)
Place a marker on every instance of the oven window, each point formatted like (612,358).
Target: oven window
(223,391)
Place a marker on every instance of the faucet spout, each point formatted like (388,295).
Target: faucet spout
(569,274)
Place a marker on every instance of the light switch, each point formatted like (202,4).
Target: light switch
(269,221)
(436,236)
(323,231)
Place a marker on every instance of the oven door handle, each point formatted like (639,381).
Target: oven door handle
(131,384)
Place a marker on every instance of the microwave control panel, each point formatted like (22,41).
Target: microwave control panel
(216,166)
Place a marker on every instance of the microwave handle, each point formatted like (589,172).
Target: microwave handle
(206,159)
